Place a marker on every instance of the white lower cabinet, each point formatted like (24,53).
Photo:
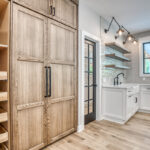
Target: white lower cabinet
(120,104)
(145,98)
(132,105)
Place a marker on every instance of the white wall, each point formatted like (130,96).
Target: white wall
(133,74)
(109,74)
(94,24)
(89,21)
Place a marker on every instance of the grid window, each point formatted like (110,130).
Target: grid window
(146,58)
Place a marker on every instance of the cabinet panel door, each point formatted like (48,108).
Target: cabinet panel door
(61,58)
(39,5)
(65,11)
(28,79)
(145,100)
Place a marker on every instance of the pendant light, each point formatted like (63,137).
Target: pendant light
(120,32)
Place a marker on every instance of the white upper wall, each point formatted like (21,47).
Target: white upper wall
(133,14)
(89,20)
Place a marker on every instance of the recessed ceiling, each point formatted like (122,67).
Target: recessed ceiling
(133,14)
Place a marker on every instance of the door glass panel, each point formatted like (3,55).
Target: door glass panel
(86,108)
(90,65)
(86,50)
(91,106)
(86,64)
(90,92)
(90,81)
(91,51)
(86,79)
(86,93)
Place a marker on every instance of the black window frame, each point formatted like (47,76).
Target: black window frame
(145,58)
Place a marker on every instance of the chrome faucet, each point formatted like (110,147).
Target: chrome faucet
(117,78)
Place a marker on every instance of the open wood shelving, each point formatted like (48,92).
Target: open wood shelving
(114,56)
(3,147)
(3,135)
(3,96)
(3,115)
(117,67)
(4,73)
(3,47)
(116,47)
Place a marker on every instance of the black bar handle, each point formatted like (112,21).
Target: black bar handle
(54,11)
(51,10)
(50,82)
(46,81)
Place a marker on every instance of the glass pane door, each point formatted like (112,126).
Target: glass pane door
(90,82)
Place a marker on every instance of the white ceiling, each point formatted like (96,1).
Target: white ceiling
(133,14)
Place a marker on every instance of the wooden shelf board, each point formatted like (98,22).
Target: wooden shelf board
(3,115)
(3,75)
(2,47)
(117,47)
(3,4)
(114,56)
(3,135)
(116,67)
(3,147)
(3,96)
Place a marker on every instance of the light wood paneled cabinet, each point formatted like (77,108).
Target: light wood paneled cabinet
(43,79)
(38,5)
(38,72)
(29,38)
(62,60)
(64,11)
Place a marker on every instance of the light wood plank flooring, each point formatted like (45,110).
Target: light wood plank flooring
(104,135)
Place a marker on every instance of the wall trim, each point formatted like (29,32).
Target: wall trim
(144,111)
(82,36)
(141,41)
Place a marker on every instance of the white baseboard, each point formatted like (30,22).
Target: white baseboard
(145,111)
(80,128)
(108,118)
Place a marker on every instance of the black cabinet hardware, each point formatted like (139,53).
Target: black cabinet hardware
(54,11)
(51,10)
(136,100)
(50,82)
(46,68)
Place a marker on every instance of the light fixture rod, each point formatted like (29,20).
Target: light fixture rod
(106,30)
(126,29)
(117,22)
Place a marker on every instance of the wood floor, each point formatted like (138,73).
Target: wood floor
(104,135)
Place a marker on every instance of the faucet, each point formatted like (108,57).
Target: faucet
(117,78)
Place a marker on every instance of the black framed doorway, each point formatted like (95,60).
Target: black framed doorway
(90,81)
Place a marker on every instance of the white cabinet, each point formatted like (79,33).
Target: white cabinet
(132,105)
(145,98)
(120,104)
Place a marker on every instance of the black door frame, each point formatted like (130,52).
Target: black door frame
(91,116)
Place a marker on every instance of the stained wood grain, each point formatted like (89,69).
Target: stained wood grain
(3,115)
(3,75)
(61,56)
(105,135)
(3,135)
